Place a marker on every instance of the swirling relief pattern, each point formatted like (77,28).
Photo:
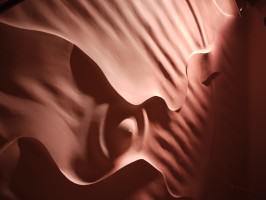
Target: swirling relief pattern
(109,99)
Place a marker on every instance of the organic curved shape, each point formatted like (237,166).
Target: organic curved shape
(103,84)
(145,43)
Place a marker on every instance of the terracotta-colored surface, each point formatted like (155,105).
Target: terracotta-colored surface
(131,99)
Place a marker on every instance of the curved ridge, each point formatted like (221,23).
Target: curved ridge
(130,34)
(38,177)
(121,43)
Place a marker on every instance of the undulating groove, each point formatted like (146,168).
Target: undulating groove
(78,73)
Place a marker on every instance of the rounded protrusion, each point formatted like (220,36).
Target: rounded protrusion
(121,138)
